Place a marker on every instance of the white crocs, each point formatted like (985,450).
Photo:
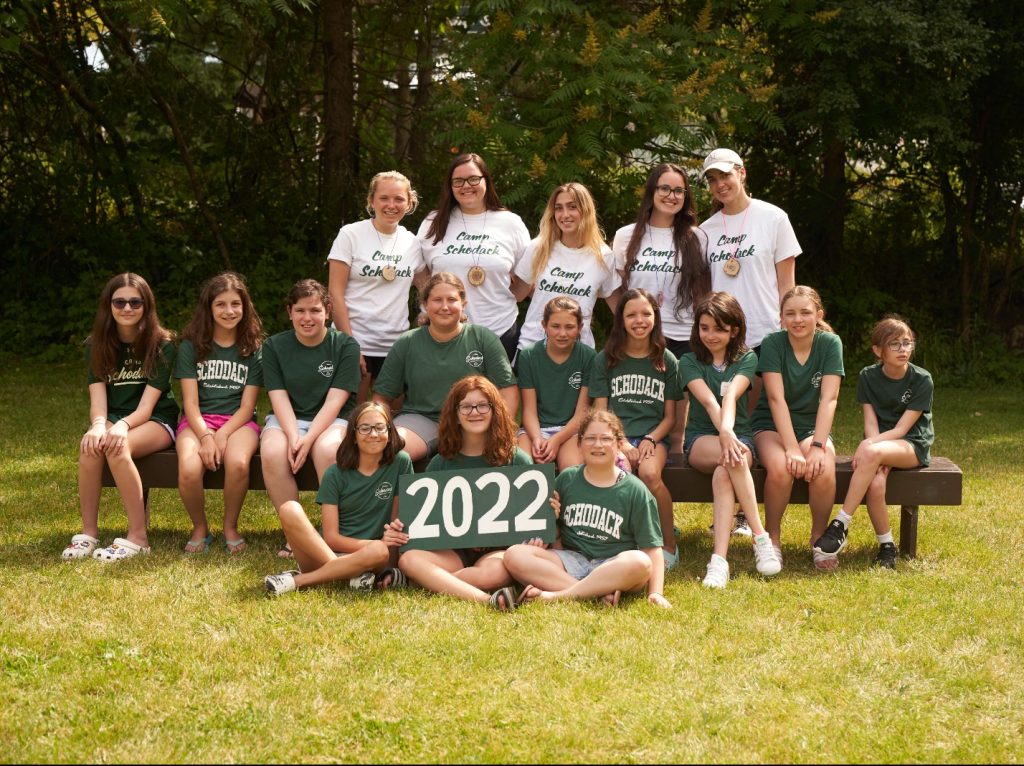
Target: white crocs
(119,550)
(81,547)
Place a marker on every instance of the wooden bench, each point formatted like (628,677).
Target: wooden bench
(939,484)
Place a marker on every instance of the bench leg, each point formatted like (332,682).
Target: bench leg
(145,504)
(908,531)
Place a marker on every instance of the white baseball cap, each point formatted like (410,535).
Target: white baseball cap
(723,160)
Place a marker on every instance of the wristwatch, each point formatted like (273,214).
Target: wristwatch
(817,444)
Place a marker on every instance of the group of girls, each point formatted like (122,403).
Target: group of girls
(674,333)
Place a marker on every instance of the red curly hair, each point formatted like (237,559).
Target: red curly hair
(501,439)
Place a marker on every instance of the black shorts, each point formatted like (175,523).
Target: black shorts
(678,347)
(374,364)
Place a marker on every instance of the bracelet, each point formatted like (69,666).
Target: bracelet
(208,433)
(817,444)
(99,420)
(649,438)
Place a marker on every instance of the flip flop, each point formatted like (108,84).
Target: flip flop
(825,562)
(286,551)
(530,592)
(234,547)
(503,599)
(198,546)
(616,597)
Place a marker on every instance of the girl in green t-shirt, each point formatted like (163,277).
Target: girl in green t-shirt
(131,409)
(552,386)
(221,372)
(609,532)
(358,500)
(897,400)
(475,431)
(635,377)
(718,373)
(802,368)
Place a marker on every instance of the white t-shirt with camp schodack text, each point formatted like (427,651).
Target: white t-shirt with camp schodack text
(657,270)
(494,241)
(761,237)
(573,272)
(378,309)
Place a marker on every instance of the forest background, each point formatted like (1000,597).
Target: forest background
(180,138)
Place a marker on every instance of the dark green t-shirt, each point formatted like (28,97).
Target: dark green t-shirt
(600,522)
(425,370)
(364,502)
(221,378)
(440,463)
(308,373)
(557,385)
(891,398)
(699,422)
(801,382)
(127,384)
(636,392)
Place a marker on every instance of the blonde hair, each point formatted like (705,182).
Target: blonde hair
(392,175)
(591,236)
(803,291)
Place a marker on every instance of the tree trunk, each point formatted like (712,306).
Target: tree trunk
(834,187)
(424,82)
(338,167)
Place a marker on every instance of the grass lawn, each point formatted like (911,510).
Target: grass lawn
(168,658)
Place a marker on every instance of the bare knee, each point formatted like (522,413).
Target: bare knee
(290,511)
(720,479)
(379,553)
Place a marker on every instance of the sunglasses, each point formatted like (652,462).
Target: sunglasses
(133,303)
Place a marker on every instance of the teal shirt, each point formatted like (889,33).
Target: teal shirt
(800,382)
(364,502)
(601,522)
(308,373)
(636,392)
(440,463)
(699,422)
(221,378)
(891,398)
(557,386)
(126,384)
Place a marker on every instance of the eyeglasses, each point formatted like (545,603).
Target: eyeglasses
(897,345)
(667,191)
(458,183)
(482,407)
(134,303)
(604,439)
(366,429)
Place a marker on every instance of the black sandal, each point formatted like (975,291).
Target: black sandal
(393,577)
(503,599)
(286,551)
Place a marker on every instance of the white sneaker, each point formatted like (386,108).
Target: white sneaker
(767,562)
(718,572)
(279,584)
(364,581)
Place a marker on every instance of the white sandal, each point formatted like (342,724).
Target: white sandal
(119,550)
(81,547)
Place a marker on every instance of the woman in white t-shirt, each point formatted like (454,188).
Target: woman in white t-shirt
(568,257)
(472,235)
(372,264)
(665,253)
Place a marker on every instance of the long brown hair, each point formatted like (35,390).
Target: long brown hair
(615,346)
(103,340)
(249,330)
(690,253)
(501,439)
(726,313)
(446,200)
(347,456)
(803,291)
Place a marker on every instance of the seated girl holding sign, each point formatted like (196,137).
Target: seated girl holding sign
(609,529)
(357,497)
(475,431)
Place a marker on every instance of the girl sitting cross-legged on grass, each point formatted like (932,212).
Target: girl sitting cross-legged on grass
(609,531)
(312,376)
(475,431)
(358,499)
(552,384)
(802,367)
(131,408)
(635,377)
(897,400)
(718,373)
(220,366)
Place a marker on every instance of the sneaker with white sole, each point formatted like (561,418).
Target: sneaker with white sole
(740,525)
(364,581)
(887,555)
(279,584)
(80,547)
(778,553)
(718,572)
(834,539)
(765,558)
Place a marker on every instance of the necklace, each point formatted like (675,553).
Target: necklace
(476,274)
(732,266)
(661,278)
(388,272)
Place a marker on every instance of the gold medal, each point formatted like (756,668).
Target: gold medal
(477,276)
(388,272)
(731,267)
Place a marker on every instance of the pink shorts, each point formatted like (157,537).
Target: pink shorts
(215,422)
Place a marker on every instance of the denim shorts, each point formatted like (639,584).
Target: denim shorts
(576,564)
(691,438)
(635,441)
(273,422)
